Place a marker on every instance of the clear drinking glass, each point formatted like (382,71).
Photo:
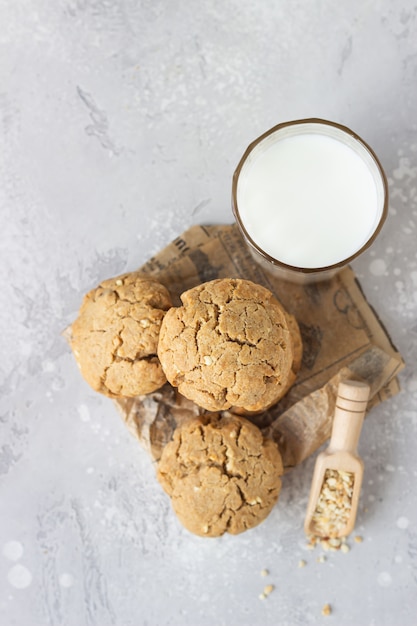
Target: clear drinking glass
(329,227)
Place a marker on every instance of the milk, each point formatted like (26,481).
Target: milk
(309,200)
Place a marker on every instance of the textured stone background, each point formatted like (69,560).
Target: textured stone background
(121,122)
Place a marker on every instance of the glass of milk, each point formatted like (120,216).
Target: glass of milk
(309,196)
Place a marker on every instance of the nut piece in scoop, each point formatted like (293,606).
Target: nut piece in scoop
(115,337)
(231,344)
(221,473)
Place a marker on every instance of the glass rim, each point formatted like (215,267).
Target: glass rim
(277,262)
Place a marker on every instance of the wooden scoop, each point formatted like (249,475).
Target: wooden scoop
(337,478)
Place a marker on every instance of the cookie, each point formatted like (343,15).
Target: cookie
(231,345)
(222,475)
(115,337)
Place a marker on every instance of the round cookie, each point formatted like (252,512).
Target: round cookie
(231,345)
(222,475)
(115,337)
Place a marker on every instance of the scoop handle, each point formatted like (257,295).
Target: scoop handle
(351,403)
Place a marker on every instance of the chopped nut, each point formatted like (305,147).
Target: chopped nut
(335,542)
(145,323)
(119,282)
(302,563)
(268,589)
(312,543)
(334,504)
(207,360)
(331,544)
(326,610)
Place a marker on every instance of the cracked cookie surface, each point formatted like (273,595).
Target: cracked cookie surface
(115,336)
(221,473)
(231,344)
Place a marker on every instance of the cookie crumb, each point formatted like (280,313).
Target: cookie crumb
(302,563)
(326,610)
(264,572)
(321,558)
(344,548)
(358,539)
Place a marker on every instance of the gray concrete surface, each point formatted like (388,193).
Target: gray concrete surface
(121,123)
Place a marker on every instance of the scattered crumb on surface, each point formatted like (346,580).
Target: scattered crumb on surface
(321,558)
(302,563)
(267,590)
(326,610)
(344,548)
(358,539)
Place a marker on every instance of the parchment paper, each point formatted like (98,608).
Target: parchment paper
(342,338)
